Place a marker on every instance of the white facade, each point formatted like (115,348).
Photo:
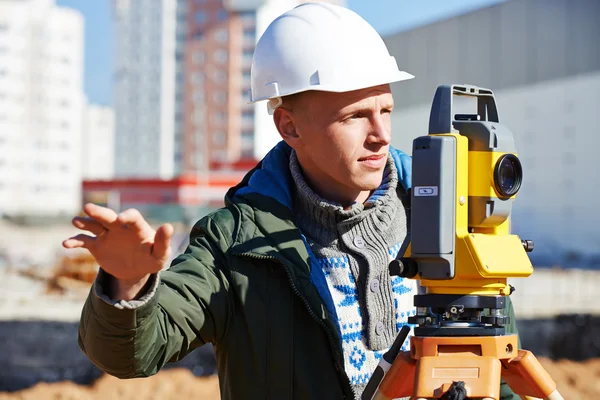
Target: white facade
(145,87)
(557,206)
(180,40)
(98,143)
(41,107)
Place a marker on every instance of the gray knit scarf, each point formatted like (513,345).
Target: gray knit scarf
(363,237)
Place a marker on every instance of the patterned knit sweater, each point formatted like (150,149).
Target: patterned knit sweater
(353,246)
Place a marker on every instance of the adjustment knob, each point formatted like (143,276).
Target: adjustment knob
(527,245)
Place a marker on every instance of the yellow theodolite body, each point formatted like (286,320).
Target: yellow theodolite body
(464,184)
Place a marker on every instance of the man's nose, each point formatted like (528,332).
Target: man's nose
(380,130)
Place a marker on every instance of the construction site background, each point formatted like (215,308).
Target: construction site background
(43,287)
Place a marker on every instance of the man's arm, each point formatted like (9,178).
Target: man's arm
(184,307)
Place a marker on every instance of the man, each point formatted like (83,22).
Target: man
(289,280)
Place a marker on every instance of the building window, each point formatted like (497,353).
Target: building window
(220,56)
(200,17)
(247,143)
(198,96)
(245,96)
(247,116)
(222,15)
(219,76)
(247,154)
(247,55)
(247,134)
(198,117)
(246,75)
(220,117)
(197,78)
(198,57)
(249,33)
(248,16)
(220,97)
(219,155)
(219,138)
(221,35)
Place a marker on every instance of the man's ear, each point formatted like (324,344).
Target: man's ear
(286,125)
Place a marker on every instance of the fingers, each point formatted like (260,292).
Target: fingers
(134,221)
(162,241)
(105,216)
(88,224)
(80,240)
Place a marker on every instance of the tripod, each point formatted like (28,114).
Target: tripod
(459,350)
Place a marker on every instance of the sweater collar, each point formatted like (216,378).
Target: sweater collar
(327,213)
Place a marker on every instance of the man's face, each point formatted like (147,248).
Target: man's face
(342,140)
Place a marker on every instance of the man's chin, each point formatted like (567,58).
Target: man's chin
(371,182)
(368,186)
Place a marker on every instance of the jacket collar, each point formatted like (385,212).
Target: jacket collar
(267,188)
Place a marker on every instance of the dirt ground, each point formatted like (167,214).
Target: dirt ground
(575,380)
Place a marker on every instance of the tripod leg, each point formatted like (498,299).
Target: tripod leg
(526,376)
(555,396)
(399,380)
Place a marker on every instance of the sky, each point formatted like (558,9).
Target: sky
(386,16)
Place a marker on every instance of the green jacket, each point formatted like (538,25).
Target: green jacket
(244,285)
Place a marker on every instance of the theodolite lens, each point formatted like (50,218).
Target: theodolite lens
(508,175)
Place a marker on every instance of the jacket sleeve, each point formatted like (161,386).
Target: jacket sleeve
(190,305)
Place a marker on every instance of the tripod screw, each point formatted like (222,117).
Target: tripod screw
(509,349)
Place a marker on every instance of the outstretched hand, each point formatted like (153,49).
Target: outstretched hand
(124,244)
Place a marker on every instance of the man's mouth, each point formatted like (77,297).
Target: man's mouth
(375,161)
(371,158)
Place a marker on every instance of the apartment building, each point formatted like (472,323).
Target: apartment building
(41,108)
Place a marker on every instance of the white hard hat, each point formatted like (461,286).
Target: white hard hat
(319,46)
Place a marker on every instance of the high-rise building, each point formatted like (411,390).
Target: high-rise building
(219,125)
(183,81)
(98,143)
(41,108)
(145,80)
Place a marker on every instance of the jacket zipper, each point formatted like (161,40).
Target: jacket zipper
(307,305)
